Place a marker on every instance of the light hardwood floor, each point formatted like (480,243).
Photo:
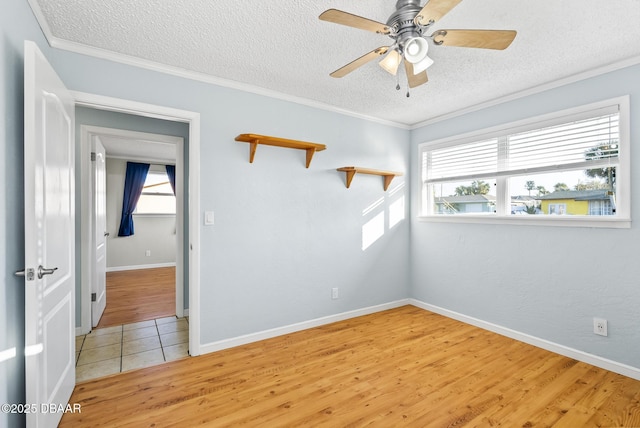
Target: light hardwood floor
(139,295)
(402,367)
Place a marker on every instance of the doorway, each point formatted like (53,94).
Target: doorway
(156,245)
(190,238)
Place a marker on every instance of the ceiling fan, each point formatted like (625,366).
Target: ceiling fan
(408,26)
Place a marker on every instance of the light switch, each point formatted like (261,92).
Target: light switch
(208,218)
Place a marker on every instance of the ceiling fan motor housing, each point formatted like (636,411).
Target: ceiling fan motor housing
(408,34)
(402,22)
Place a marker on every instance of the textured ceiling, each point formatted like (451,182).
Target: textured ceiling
(282,47)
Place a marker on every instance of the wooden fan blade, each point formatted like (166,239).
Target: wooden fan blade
(434,10)
(341,72)
(485,39)
(415,79)
(355,21)
(391,62)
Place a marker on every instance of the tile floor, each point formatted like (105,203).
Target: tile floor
(112,350)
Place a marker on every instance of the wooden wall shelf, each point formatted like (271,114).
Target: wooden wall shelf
(351,171)
(254,140)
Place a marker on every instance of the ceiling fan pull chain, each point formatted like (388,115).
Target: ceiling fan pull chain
(408,87)
(397,81)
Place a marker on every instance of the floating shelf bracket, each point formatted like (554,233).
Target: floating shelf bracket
(351,171)
(254,140)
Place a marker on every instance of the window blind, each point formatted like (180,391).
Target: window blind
(571,143)
(587,142)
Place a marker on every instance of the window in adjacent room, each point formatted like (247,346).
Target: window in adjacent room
(571,165)
(157,195)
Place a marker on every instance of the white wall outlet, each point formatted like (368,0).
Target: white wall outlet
(147,253)
(600,326)
(334,293)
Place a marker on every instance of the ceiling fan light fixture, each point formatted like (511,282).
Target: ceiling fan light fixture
(415,52)
(391,62)
(415,49)
(421,66)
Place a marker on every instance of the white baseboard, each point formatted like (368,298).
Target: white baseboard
(292,328)
(80,332)
(614,366)
(151,266)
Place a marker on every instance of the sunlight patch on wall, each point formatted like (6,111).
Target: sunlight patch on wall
(7,354)
(373,206)
(372,230)
(396,209)
(390,206)
(396,212)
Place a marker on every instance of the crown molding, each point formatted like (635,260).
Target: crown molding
(96,52)
(91,51)
(57,43)
(533,90)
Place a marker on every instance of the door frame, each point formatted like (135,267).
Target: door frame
(87,132)
(192,200)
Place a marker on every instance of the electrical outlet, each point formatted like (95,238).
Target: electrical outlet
(600,326)
(147,253)
(334,293)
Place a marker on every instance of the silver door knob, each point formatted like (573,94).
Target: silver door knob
(44,271)
(29,274)
(107,234)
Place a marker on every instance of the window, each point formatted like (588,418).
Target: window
(557,209)
(157,195)
(571,165)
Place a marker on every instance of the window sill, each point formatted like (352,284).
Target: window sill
(556,221)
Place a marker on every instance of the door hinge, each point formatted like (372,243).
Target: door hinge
(93,156)
(93,297)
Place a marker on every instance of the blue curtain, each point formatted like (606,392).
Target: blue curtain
(171,173)
(133,183)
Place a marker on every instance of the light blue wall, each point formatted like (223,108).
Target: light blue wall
(548,282)
(284,235)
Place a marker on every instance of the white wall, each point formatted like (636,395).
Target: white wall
(151,232)
(546,282)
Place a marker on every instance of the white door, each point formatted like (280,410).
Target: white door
(99,272)
(49,239)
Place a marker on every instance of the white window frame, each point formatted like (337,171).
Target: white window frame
(622,219)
